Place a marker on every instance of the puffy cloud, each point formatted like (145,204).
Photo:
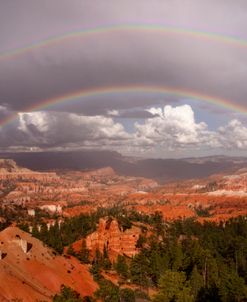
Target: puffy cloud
(38,120)
(53,129)
(233,135)
(113,112)
(4,111)
(3,108)
(175,127)
(168,129)
(135,113)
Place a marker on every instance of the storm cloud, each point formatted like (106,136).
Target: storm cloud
(207,64)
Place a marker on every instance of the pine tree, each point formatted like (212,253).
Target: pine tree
(107,292)
(106,263)
(70,250)
(127,295)
(35,231)
(139,269)
(121,267)
(173,287)
(196,281)
(84,252)
(67,294)
(232,288)
(96,266)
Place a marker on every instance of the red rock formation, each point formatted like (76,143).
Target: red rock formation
(116,241)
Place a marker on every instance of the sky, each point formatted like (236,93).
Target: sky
(160,78)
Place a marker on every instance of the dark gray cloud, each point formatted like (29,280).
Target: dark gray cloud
(207,68)
(143,58)
(135,114)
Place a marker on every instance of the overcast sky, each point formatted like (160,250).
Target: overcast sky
(149,124)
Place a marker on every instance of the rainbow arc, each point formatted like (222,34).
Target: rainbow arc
(81,95)
(123,28)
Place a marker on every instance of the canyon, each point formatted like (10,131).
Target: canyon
(51,197)
(69,193)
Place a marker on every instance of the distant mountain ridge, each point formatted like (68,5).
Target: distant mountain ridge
(162,170)
(10,166)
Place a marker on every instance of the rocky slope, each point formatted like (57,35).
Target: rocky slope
(30,271)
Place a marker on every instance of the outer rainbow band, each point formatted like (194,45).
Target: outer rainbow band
(150,28)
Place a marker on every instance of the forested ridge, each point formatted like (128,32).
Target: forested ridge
(181,261)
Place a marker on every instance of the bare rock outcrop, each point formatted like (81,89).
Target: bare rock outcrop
(116,241)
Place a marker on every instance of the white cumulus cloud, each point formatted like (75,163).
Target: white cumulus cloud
(169,129)
(233,135)
(175,127)
(54,129)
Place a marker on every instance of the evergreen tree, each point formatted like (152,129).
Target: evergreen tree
(139,269)
(121,267)
(106,264)
(96,266)
(84,252)
(159,263)
(70,250)
(173,287)
(140,242)
(107,292)
(176,257)
(196,281)
(127,295)
(67,294)
(35,231)
(232,287)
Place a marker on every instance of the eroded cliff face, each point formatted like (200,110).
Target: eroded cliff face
(115,240)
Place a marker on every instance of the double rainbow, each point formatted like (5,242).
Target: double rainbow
(129,89)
